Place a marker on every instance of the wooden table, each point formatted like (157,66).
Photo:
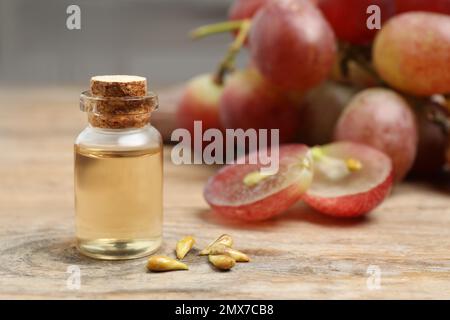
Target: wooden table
(299,255)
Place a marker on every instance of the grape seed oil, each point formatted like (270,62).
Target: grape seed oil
(118,171)
(118,201)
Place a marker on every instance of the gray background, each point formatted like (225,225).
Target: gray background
(116,37)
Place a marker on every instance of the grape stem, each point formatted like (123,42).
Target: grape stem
(229,60)
(220,27)
(367,67)
(446,102)
(361,56)
(439,112)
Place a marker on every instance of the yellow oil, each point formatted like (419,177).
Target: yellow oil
(118,202)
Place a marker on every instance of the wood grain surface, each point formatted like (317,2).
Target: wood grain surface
(299,255)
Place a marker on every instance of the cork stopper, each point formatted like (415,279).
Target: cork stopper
(118,102)
(118,86)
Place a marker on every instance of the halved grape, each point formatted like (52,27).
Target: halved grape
(350,179)
(240,191)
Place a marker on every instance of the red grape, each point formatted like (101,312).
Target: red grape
(292,44)
(349,17)
(412,53)
(249,101)
(382,119)
(438,6)
(229,194)
(344,191)
(321,109)
(200,102)
(245,9)
(430,157)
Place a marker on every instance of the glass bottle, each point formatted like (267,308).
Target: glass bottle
(118,178)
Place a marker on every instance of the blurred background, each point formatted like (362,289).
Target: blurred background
(146,37)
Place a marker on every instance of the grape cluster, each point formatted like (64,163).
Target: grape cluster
(320,75)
